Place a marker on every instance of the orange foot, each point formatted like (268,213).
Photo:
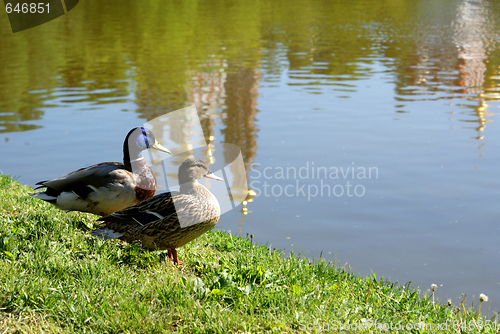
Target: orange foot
(172,256)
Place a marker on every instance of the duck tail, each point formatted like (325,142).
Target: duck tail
(44,197)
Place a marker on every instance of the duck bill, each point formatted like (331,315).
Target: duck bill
(213,177)
(160,147)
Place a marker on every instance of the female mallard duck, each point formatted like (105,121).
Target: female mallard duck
(109,186)
(168,220)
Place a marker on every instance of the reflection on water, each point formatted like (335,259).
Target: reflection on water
(435,52)
(336,82)
(473,37)
(471,31)
(226,92)
(241,111)
(240,130)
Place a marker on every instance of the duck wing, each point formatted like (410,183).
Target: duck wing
(86,180)
(161,212)
(130,221)
(153,209)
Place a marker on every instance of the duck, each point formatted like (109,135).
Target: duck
(168,220)
(107,187)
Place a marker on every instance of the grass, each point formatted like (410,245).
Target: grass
(56,278)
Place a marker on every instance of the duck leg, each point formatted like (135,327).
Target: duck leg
(172,256)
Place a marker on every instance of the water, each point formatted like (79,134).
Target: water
(406,90)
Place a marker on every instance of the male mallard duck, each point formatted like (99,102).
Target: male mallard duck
(109,186)
(168,220)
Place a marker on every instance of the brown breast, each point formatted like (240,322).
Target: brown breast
(146,181)
(142,194)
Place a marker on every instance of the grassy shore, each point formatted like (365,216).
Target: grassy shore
(56,278)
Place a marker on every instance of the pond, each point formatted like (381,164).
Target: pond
(369,129)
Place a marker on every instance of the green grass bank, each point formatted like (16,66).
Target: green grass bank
(56,278)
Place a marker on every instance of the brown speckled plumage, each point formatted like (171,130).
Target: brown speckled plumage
(168,220)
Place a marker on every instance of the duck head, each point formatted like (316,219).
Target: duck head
(192,170)
(138,140)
